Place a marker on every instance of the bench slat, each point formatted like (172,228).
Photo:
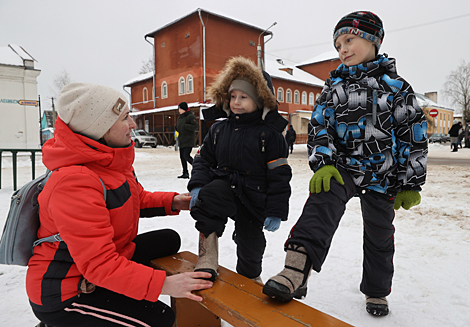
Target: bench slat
(240,301)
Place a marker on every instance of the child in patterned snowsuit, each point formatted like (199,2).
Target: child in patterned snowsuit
(367,138)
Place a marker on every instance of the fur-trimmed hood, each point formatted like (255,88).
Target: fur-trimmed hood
(238,67)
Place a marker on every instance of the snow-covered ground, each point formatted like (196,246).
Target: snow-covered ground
(431,286)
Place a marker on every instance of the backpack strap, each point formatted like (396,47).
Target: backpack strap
(56,237)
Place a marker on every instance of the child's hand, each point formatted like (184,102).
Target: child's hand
(323,176)
(407,199)
(272,224)
(194,196)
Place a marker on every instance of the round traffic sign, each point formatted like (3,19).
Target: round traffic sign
(433,113)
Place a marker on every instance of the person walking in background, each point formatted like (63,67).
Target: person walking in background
(454,135)
(467,135)
(290,138)
(186,127)
(241,170)
(366,139)
(98,273)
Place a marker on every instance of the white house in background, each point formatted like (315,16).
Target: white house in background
(20,122)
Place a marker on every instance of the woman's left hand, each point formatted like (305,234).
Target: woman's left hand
(181,201)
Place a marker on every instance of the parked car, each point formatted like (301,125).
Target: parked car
(439,137)
(142,138)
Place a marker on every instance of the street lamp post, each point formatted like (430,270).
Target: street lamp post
(260,62)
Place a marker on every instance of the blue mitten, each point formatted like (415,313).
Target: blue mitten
(194,196)
(407,199)
(322,177)
(272,224)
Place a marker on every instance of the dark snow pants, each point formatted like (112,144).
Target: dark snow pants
(185,157)
(105,308)
(321,216)
(216,203)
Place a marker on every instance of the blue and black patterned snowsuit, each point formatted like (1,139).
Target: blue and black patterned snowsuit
(368,124)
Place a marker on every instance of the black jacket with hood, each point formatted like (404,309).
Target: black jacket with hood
(248,150)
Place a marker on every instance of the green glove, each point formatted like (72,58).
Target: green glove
(323,176)
(407,199)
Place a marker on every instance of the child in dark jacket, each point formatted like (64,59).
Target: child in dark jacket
(366,138)
(241,169)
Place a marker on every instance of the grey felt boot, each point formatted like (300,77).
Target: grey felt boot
(208,254)
(292,280)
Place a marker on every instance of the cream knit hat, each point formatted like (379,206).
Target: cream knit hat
(90,109)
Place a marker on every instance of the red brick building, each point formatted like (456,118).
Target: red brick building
(189,53)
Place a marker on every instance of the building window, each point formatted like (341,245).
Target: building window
(145,95)
(164,90)
(280,94)
(304,97)
(182,86)
(189,82)
(311,99)
(296,97)
(318,96)
(289,96)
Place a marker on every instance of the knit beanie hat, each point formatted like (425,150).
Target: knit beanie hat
(90,109)
(362,23)
(184,106)
(242,84)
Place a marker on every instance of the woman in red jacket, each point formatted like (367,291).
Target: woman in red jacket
(100,274)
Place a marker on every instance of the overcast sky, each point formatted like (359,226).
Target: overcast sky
(103,42)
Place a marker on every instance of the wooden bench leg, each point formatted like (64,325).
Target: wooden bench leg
(192,314)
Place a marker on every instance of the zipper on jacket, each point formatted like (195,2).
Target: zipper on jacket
(215,136)
(374,107)
(263,142)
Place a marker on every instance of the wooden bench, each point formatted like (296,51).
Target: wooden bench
(238,301)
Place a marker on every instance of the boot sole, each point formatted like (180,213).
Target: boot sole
(210,271)
(277,294)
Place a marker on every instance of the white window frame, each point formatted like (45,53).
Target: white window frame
(311,99)
(280,94)
(164,90)
(289,96)
(189,84)
(181,86)
(296,97)
(304,98)
(145,95)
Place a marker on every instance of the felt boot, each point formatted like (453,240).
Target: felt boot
(257,280)
(208,254)
(292,280)
(377,306)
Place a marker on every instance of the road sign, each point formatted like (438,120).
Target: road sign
(28,102)
(433,113)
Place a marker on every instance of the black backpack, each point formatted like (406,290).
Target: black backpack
(20,232)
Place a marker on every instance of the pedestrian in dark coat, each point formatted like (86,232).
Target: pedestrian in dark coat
(241,170)
(454,134)
(290,138)
(186,127)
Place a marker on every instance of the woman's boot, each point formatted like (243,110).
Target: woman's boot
(208,254)
(292,280)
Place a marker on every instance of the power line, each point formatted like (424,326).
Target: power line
(388,32)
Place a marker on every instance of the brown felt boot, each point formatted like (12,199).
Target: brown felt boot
(208,254)
(292,280)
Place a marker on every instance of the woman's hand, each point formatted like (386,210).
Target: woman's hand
(181,201)
(181,285)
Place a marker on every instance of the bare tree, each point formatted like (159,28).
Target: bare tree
(147,66)
(60,80)
(457,88)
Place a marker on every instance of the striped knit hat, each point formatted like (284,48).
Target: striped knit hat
(362,23)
